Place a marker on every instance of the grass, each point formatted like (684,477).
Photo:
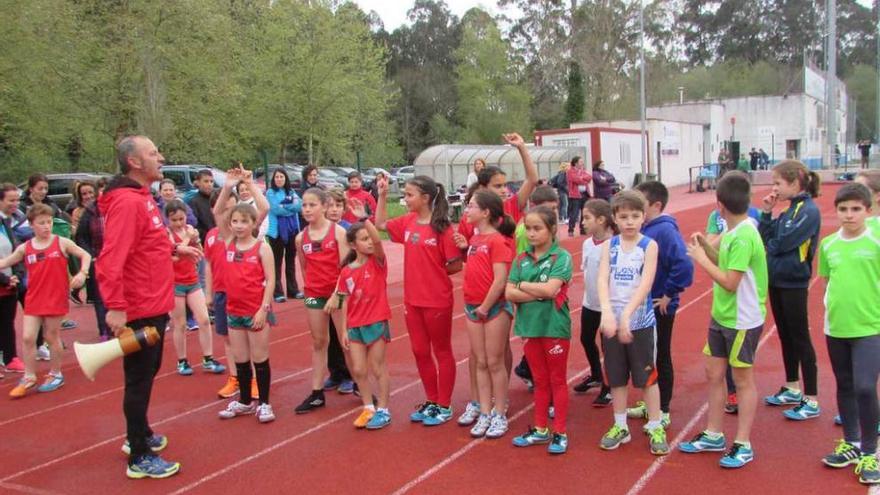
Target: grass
(394,209)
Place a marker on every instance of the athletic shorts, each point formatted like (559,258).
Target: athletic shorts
(739,347)
(221,321)
(636,359)
(316,302)
(244,322)
(470,310)
(183,290)
(368,334)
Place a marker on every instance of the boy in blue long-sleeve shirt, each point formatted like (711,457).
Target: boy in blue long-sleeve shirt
(675,273)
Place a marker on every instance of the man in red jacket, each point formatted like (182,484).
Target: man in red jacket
(356,194)
(136,280)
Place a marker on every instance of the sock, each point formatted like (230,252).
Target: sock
(207,359)
(747,445)
(653,424)
(794,390)
(542,431)
(370,407)
(620,420)
(244,382)
(264,378)
(383,410)
(714,435)
(857,445)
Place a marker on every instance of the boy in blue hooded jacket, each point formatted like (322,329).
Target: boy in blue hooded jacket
(675,273)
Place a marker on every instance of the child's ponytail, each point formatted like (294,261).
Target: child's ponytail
(437,201)
(795,171)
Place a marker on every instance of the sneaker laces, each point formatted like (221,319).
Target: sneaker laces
(616,431)
(658,435)
(558,438)
(734,450)
(843,447)
(867,462)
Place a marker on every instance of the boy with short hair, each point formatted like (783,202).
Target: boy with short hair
(739,270)
(849,260)
(675,273)
(626,273)
(356,193)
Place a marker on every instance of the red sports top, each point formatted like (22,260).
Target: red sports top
(215,253)
(425,256)
(484,251)
(48,282)
(511,207)
(364,197)
(322,263)
(366,287)
(184,268)
(244,297)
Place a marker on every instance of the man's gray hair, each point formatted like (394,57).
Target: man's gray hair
(125,147)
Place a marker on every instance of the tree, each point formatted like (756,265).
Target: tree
(574,102)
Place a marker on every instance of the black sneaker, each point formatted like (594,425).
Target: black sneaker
(313,401)
(588,383)
(525,375)
(603,399)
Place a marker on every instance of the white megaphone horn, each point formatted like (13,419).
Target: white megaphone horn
(92,357)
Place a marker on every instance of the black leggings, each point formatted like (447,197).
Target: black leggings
(856,368)
(590,321)
(8,307)
(665,375)
(574,214)
(284,252)
(790,312)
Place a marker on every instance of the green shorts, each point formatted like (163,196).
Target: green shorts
(316,302)
(244,322)
(369,334)
(183,290)
(470,310)
(739,347)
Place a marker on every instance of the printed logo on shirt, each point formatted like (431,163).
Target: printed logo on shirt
(545,265)
(253,259)
(150,205)
(349,283)
(415,237)
(472,250)
(543,277)
(624,274)
(556,350)
(31,259)
(210,240)
(431,242)
(312,247)
(406,236)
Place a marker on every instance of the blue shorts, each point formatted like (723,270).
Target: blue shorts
(470,310)
(369,334)
(221,321)
(244,322)
(183,290)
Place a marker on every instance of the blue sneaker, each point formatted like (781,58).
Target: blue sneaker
(784,397)
(183,368)
(156,443)
(380,420)
(68,325)
(331,384)
(703,443)
(151,466)
(534,437)
(421,410)
(279,299)
(437,415)
(559,444)
(346,387)
(807,409)
(212,366)
(738,456)
(52,383)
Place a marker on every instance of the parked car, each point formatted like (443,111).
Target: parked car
(61,185)
(341,174)
(404,174)
(184,177)
(371,173)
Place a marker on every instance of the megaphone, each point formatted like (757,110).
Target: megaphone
(92,357)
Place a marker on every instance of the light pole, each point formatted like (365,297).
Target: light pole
(644,137)
(831,82)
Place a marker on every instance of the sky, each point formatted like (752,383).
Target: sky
(393,12)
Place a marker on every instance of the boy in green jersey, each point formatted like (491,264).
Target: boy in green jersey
(849,260)
(739,270)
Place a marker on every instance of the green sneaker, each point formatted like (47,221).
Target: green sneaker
(868,470)
(638,412)
(657,441)
(665,421)
(615,436)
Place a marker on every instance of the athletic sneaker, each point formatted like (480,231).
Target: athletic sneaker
(151,466)
(559,444)
(784,397)
(265,414)
(279,299)
(807,409)
(638,412)
(156,443)
(533,437)
(380,420)
(236,408)
(365,416)
(421,412)
(68,324)
(52,382)
(191,325)
(346,387)
(844,454)
(331,384)
(15,365)
(657,441)
(614,438)
(229,389)
(588,383)
(497,426)
(183,368)
(212,366)
(732,405)
(665,421)
(603,399)
(26,383)
(481,426)
(525,376)
(867,469)
(43,353)
(470,414)
(702,442)
(738,456)
(312,402)
(437,415)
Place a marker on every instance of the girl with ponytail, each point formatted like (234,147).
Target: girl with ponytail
(429,257)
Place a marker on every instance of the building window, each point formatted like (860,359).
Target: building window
(625,155)
(566,142)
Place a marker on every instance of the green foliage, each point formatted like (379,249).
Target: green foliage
(574,102)
(862,87)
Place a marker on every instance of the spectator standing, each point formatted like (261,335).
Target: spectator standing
(578,192)
(284,208)
(560,183)
(603,182)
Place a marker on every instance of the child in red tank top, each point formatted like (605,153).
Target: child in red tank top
(188,293)
(45,257)
(321,247)
(250,263)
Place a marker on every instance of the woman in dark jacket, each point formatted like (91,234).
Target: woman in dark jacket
(560,183)
(603,182)
(89,235)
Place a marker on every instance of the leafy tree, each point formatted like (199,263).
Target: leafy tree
(574,103)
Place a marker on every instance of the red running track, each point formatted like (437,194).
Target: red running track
(69,441)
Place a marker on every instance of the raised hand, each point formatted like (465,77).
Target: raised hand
(513,139)
(357,208)
(382,185)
